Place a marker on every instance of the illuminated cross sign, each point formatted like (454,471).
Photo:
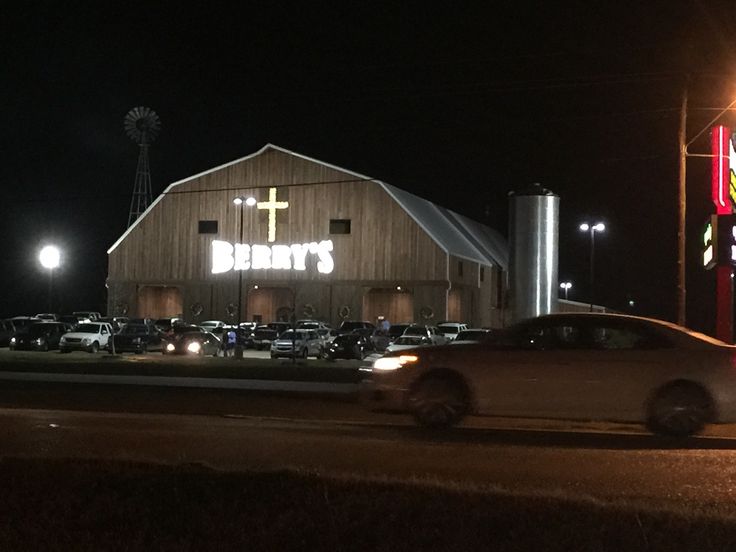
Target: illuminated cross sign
(272,205)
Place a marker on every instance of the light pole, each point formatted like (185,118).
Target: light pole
(592,229)
(683,144)
(50,257)
(565,286)
(249,201)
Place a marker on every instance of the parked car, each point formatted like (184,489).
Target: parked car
(349,346)
(377,337)
(20,322)
(573,366)
(397,330)
(265,334)
(6,332)
(210,325)
(166,324)
(136,338)
(48,316)
(191,341)
(408,342)
(430,332)
(300,343)
(69,319)
(473,335)
(41,336)
(90,337)
(451,329)
(87,316)
(348,326)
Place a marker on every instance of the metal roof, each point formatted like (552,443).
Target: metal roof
(454,233)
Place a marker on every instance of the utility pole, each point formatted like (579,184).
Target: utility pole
(682,195)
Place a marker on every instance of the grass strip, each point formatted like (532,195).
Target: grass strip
(91,505)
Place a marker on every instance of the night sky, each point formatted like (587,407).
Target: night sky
(459,103)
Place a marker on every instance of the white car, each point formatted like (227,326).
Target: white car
(568,366)
(430,332)
(299,343)
(451,329)
(90,337)
(408,342)
(210,325)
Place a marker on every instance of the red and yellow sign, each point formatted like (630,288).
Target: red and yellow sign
(724,171)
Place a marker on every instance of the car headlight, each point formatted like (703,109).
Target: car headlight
(170,347)
(394,362)
(136,340)
(12,341)
(194,347)
(62,340)
(86,340)
(39,341)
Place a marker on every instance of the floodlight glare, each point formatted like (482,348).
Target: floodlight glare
(585,227)
(49,257)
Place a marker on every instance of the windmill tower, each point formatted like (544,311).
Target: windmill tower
(142,125)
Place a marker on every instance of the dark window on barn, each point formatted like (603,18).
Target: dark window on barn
(460,269)
(208,227)
(482,273)
(339,226)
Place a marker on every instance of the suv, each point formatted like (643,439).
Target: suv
(90,337)
(300,343)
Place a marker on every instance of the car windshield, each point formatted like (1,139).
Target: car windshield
(88,328)
(449,329)
(350,326)
(415,330)
(397,329)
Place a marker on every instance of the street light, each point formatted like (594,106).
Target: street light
(565,286)
(50,258)
(592,229)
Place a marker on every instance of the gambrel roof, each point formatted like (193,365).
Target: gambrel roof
(454,233)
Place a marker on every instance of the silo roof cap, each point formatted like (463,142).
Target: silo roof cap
(534,189)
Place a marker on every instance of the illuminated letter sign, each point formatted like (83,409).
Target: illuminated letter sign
(227,256)
(719,241)
(709,245)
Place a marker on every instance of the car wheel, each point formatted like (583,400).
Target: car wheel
(45,347)
(94,347)
(438,402)
(679,410)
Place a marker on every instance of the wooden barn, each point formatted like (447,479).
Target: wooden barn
(277,233)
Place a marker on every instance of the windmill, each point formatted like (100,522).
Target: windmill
(142,125)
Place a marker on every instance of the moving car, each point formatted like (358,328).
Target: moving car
(41,336)
(90,337)
(571,366)
(136,338)
(300,343)
(191,341)
(349,346)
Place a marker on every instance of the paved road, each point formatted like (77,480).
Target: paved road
(234,429)
(340,438)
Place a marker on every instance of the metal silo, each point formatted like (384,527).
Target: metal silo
(533,244)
